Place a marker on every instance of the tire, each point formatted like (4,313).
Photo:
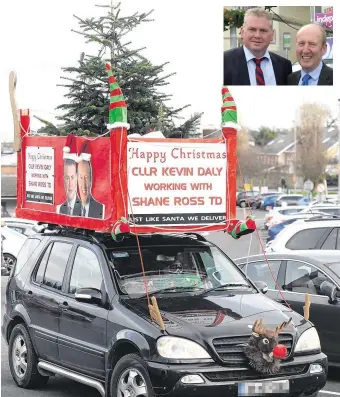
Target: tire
(9,261)
(23,360)
(131,371)
(243,204)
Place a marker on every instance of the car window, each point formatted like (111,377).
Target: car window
(39,276)
(86,271)
(177,267)
(16,228)
(259,271)
(25,253)
(306,239)
(56,265)
(304,277)
(331,240)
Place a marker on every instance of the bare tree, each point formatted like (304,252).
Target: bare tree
(311,160)
(247,157)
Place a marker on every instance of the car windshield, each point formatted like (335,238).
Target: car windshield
(335,267)
(174,269)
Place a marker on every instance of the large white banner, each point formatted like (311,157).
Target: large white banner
(177,184)
(40,174)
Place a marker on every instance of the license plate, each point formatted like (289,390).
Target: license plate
(263,388)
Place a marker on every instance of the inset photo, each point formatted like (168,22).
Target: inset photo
(278,45)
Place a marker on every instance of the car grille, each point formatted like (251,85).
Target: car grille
(231,350)
(249,374)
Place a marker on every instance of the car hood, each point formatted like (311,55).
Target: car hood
(215,315)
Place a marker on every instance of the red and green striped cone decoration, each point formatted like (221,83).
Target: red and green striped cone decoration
(229,110)
(117,108)
(120,227)
(243,228)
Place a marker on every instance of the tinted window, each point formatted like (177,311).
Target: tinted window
(39,277)
(306,239)
(86,271)
(56,265)
(304,277)
(259,271)
(25,253)
(16,228)
(330,242)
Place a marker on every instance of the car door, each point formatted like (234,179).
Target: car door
(301,278)
(82,340)
(42,298)
(260,271)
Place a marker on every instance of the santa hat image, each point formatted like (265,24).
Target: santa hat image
(70,148)
(83,153)
(117,107)
(229,110)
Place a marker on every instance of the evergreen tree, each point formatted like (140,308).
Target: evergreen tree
(139,79)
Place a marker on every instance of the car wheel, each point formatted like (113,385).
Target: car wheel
(9,261)
(23,359)
(130,377)
(243,204)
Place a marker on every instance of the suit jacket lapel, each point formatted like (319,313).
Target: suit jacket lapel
(298,77)
(242,69)
(324,77)
(277,69)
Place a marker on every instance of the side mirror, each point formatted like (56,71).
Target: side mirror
(329,290)
(89,295)
(262,286)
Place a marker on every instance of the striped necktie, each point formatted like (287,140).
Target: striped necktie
(259,72)
(305,79)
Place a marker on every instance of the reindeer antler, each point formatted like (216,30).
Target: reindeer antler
(258,329)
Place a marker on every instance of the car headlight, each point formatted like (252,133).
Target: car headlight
(180,348)
(308,341)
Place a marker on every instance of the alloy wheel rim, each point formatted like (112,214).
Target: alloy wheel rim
(131,383)
(19,356)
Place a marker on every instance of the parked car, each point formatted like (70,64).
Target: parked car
(277,215)
(269,202)
(4,212)
(317,274)
(22,226)
(259,199)
(76,304)
(316,233)
(288,200)
(276,229)
(12,242)
(245,199)
(326,209)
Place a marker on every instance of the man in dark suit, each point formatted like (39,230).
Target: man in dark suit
(90,208)
(311,45)
(253,64)
(72,204)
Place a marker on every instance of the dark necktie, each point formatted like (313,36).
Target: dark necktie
(69,210)
(83,211)
(305,79)
(259,72)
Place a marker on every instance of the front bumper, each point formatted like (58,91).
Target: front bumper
(223,381)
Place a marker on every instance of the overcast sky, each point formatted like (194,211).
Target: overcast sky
(37,41)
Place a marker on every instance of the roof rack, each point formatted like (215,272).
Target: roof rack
(323,218)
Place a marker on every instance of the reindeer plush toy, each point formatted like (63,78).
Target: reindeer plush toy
(263,351)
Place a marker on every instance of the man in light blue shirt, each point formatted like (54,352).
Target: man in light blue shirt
(311,45)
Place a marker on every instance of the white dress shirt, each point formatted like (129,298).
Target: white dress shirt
(266,66)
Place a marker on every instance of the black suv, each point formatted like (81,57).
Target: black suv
(76,306)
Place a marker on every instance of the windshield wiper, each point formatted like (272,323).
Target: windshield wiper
(175,289)
(225,286)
